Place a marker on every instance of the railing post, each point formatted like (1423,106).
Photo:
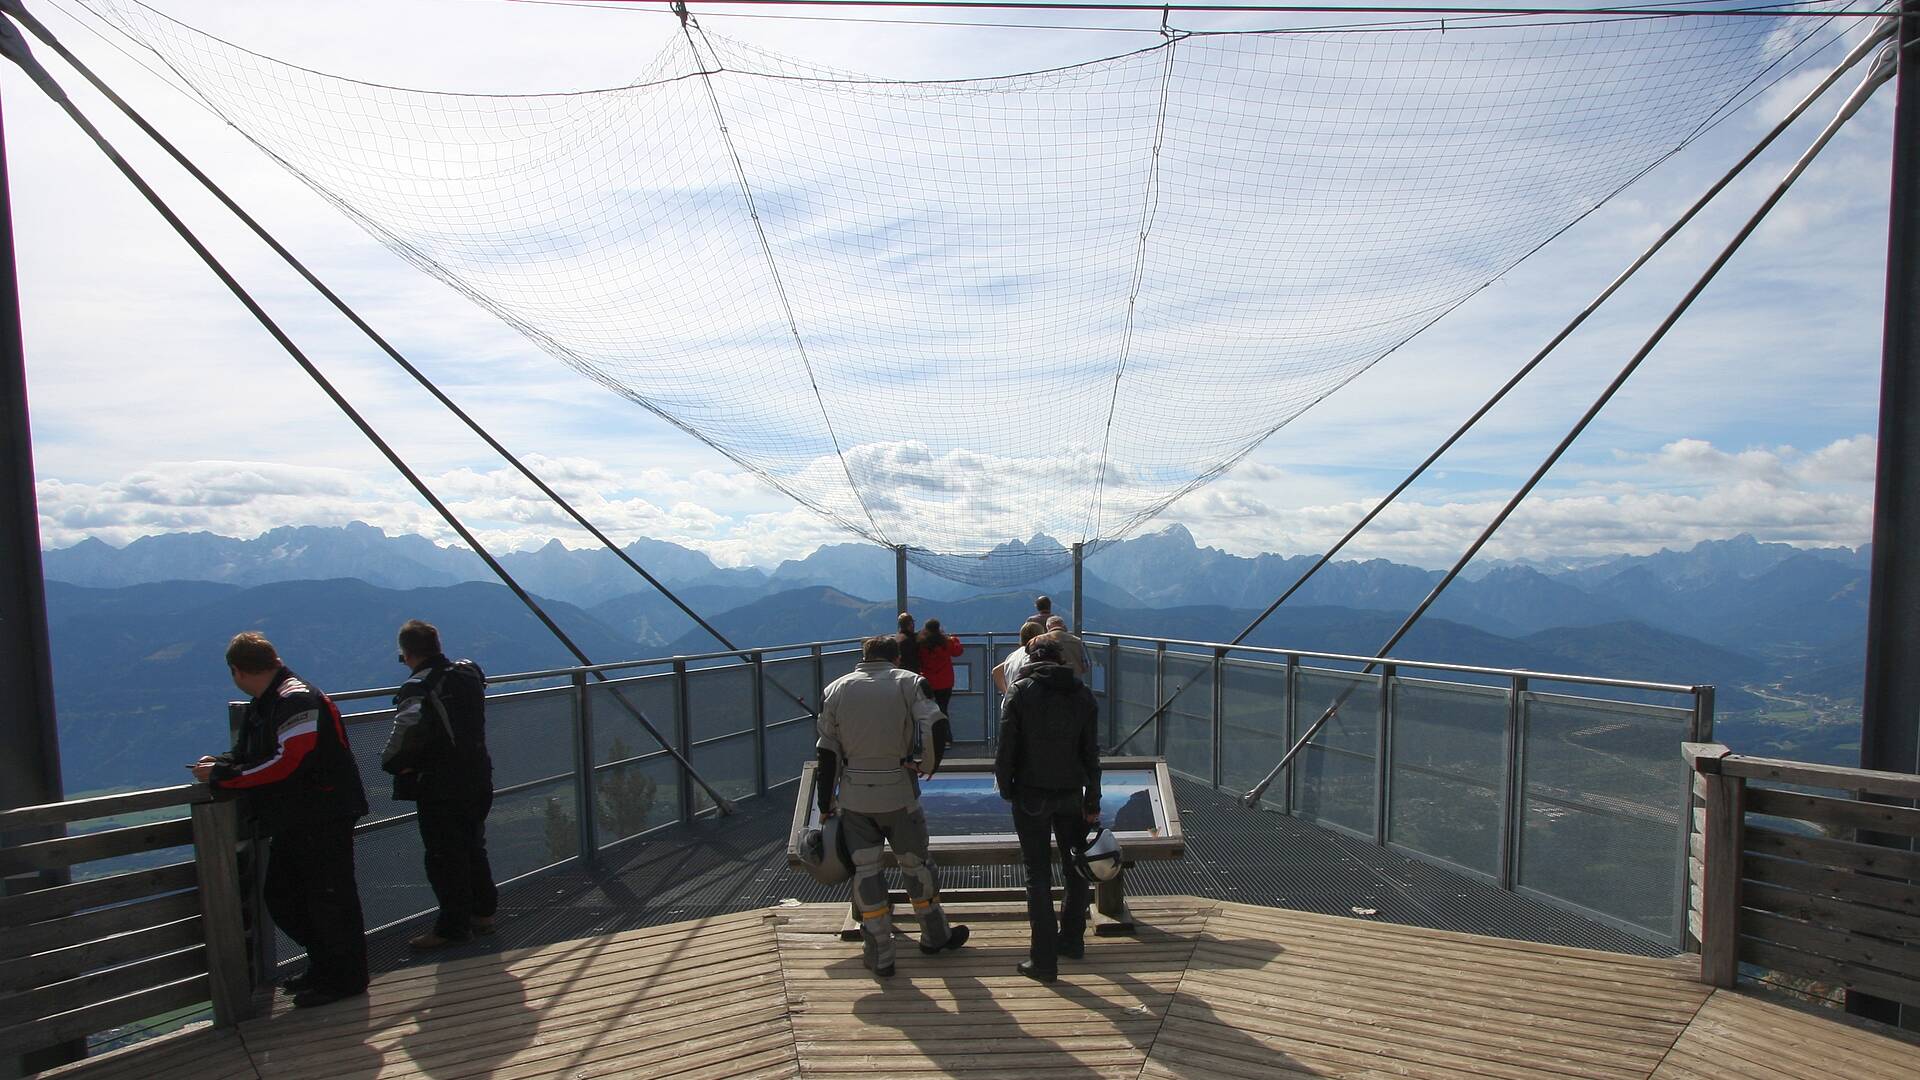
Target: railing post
(216,836)
(1160,697)
(1291,721)
(1510,792)
(1113,691)
(1382,752)
(990,723)
(253,882)
(1726,798)
(585,827)
(1702,723)
(1219,709)
(682,738)
(819,681)
(758,659)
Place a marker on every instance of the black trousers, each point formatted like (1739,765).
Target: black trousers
(454,834)
(312,895)
(1044,821)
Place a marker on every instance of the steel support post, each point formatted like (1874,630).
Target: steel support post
(1890,729)
(1113,691)
(29,737)
(1292,721)
(1510,787)
(1079,598)
(683,739)
(1219,704)
(1383,754)
(585,827)
(759,662)
(1159,698)
(900,577)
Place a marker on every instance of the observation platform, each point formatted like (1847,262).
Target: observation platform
(1205,989)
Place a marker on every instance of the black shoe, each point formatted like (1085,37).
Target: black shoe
(1037,973)
(1071,950)
(323,995)
(884,972)
(300,982)
(956,937)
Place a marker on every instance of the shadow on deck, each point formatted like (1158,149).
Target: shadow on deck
(1207,989)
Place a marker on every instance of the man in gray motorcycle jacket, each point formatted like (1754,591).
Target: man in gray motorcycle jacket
(876,742)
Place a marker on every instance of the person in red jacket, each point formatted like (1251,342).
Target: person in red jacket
(293,762)
(937,652)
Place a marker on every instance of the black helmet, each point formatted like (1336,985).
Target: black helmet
(824,853)
(1099,857)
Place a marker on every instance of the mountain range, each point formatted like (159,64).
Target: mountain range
(137,631)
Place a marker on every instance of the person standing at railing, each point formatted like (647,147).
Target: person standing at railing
(1073,652)
(937,654)
(1009,669)
(438,756)
(1048,767)
(293,761)
(876,730)
(908,645)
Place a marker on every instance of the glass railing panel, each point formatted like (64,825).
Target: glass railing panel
(719,701)
(1136,701)
(787,689)
(1449,768)
(1604,789)
(967,710)
(1189,719)
(1334,784)
(1254,718)
(617,707)
(790,745)
(727,764)
(629,799)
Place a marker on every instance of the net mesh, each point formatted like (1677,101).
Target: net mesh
(946,314)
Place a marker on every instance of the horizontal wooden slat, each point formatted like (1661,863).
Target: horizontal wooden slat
(1851,976)
(1826,881)
(87,990)
(1845,853)
(106,844)
(1870,952)
(1830,811)
(130,802)
(41,969)
(107,1014)
(117,889)
(1873,782)
(1826,911)
(94,925)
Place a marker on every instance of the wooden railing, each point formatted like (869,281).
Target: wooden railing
(99,953)
(1782,881)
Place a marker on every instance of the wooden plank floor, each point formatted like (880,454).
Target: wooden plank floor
(1205,990)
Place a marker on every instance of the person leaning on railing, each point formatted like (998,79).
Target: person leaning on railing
(293,760)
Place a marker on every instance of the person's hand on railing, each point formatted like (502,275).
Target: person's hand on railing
(202,770)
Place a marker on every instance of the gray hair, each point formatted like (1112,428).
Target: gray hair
(1056,623)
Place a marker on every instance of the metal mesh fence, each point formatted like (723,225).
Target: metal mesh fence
(1449,765)
(1189,717)
(1253,736)
(1335,784)
(1136,702)
(1604,788)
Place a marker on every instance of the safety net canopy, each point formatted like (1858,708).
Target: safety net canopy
(949,314)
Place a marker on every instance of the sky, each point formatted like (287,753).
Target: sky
(158,404)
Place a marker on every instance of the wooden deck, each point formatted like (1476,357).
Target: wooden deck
(1205,990)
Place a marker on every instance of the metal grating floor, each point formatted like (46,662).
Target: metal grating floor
(715,866)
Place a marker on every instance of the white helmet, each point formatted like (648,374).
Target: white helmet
(1099,858)
(823,852)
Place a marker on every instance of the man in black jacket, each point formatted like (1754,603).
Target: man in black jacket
(438,757)
(292,760)
(1048,767)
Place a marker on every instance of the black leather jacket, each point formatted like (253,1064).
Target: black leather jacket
(1049,736)
(292,758)
(438,748)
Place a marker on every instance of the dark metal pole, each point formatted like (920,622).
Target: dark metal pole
(900,578)
(1890,714)
(29,735)
(1079,600)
